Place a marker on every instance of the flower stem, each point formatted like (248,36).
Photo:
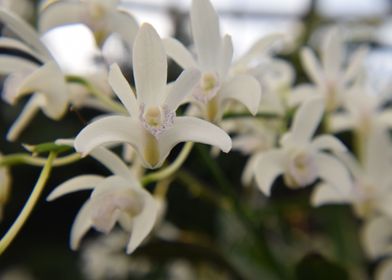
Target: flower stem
(16,159)
(29,206)
(166,172)
(104,99)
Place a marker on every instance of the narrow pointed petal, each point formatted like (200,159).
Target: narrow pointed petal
(328,142)
(81,225)
(384,270)
(79,183)
(10,64)
(123,90)
(268,167)
(113,163)
(191,129)
(61,13)
(341,122)
(109,130)
(24,31)
(325,194)
(179,53)
(245,89)
(376,237)
(24,118)
(125,24)
(333,172)
(206,34)
(14,44)
(306,120)
(182,87)
(312,66)
(248,172)
(149,66)
(332,53)
(355,64)
(226,56)
(49,82)
(143,223)
(301,93)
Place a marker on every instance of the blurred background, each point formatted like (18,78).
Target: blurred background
(209,242)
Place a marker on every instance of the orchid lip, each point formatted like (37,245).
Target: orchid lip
(156,119)
(207,88)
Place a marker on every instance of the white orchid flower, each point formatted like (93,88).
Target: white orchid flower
(330,78)
(302,159)
(117,198)
(5,186)
(376,237)
(214,56)
(363,110)
(37,74)
(371,192)
(152,127)
(103,17)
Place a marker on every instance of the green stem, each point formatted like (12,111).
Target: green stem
(168,171)
(29,206)
(16,159)
(104,99)
(243,214)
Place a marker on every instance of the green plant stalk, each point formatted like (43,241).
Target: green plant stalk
(242,214)
(29,206)
(104,99)
(16,159)
(169,170)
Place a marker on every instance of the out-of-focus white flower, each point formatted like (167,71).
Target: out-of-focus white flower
(363,110)
(152,127)
(102,258)
(384,270)
(101,16)
(330,78)
(118,198)
(5,185)
(214,57)
(371,192)
(23,8)
(302,159)
(376,237)
(39,76)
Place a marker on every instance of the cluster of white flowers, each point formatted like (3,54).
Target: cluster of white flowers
(285,129)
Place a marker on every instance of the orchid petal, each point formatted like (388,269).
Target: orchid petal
(29,111)
(113,163)
(268,167)
(179,53)
(24,31)
(10,64)
(11,43)
(332,53)
(312,66)
(245,89)
(248,172)
(206,34)
(376,236)
(384,270)
(306,120)
(333,172)
(326,194)
(61,13)
(341,122)
(53,89)
(328,142)
(226,56)
(79,183)
(182,87)
(143,223)
(125,24)
(191,129)
(355,64)
(149,66)
(123,90)
(81,225)
(108,130)
(301,93)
